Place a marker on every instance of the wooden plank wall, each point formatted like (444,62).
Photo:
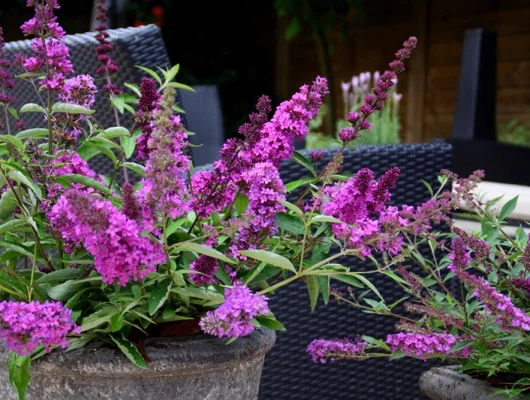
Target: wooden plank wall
(373,42)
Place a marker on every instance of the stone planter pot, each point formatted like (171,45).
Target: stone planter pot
(446,383)
(193,368)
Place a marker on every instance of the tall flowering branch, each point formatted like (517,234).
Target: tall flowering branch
(6,81)
(120,253)
(51,54)
(164,192)
(104,50)
(147,105)
(376,100)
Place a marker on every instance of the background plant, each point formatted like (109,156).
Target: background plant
(467,304)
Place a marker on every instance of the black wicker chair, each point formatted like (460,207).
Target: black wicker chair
(289,373)
(132,46)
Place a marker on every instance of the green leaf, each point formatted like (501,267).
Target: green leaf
(34,133)
(202,249)
(136,168)
(241,203)
(313,289)
(19,373)
(296,184)
(64,291)
(23,179)
(71,109)
(270,322)
(116,131)
(16,249)
(292,207)
(269,258)
(325,218)
(159,296)
(61,275)
(13,112)
(150,72)
(8,202)
(129,144)
(86,181)
(11,226)
(508,208)
(323,283)
(134,88)
(290,223)
(15,141)
(136,291)
(294,28)
(32,107)
(304,161)
(178,85)
(370,285)
(351,280)
(116,322)
(130,350)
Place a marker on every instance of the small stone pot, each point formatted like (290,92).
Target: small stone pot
(446,383)
(192,368)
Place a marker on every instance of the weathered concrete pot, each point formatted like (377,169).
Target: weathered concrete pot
(446,383)
(194,368)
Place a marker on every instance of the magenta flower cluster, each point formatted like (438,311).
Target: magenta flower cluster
(120,253)
(234,317)
(51,54)
(104,49)
(359,203)
(206,267)
(25,326)
(147,105)
(424,345)
(322,350)
(6,78)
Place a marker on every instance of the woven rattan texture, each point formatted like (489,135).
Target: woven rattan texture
(132,46)
(289,373)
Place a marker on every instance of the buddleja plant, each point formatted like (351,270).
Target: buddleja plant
(467,304)
(86,258)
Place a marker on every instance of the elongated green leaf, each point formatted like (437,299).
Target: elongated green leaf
(351,280)
(508,208)
(116,322)
(19,373)
(212,297)
(304,161)
(136,168)
(241,203)
(270,322)
(16,248)
(130,350)
(300,182)
(34,133)
(99,317)
(11,226)
(64,291)
(129,144)
(292,207)
(61,275)
(32,107)
(133,88)
(177,85)
(159,296)
(23,179)
(15,141)
(290,223)
(116,131)
(71,109)
(313,289)
(269,258)
(8,202)
(325,218)
(13,112)
(370,285)
(150,72)
(172,73)
(323,283)
(85,180)
(202,249)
